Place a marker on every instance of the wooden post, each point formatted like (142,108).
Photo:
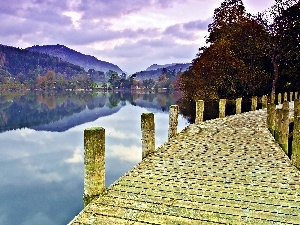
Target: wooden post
(296,108)
(199,111)
(284,143)
(94,163)
(291,96)
(279,98)
(272,98)
(238,105)
(285,96)
(222,107)
(264,101)
(254,103)
(173,121)
(296,143)
(148,134)
(278,124)
(271,109)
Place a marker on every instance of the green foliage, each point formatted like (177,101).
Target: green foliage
(4,76)
(114,100)
(163,81)
(114,79)
(96,76)
(149,83)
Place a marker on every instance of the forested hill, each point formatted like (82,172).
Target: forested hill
(154,71)
(27,65)
(177,66)
(77,58)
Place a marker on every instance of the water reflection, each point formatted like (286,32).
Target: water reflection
(41,151)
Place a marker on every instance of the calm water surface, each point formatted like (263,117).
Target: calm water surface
(41,148)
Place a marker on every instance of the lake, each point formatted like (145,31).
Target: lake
(41,147)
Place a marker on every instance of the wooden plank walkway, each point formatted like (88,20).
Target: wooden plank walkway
(222,171)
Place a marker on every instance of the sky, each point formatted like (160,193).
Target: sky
(132,34)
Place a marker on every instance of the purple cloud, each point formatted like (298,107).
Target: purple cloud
(117,8)
(77,37)
(133,56)
(187,31)
(197,24)
(177,31)
(30,22)
(151,49)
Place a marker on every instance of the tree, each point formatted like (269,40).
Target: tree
(50,79)
(61,83)
(289,30)
(41,82)
(217,73)
(230,12)
(149,83)
(114,79)
(228,68)
(278,21)
(163,81)
(2,59)
(4,76)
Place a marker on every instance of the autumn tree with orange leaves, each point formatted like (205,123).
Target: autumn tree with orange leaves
(233,64)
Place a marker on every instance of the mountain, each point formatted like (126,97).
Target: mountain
(84,116)
(77,58)
(155,70)
(27,65)
(155,66)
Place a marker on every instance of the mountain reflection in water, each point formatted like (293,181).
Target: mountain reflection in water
(41,151)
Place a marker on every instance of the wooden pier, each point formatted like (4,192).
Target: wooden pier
(223,171)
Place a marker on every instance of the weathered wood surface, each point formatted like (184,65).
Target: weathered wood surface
(222,171)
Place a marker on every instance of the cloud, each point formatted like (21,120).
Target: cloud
(76,157)
(188,30)
(119,134)
(18,28)
(40,173)
(39,218)
(177,31)
(197,24)
(129,33)
(126,153)
(4,218)
(113,31)
(38,11)
(137,55)
(78,37)
(150,49)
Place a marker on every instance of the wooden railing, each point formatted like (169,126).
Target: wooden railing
(277,119)
(222,106)
(284,125)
